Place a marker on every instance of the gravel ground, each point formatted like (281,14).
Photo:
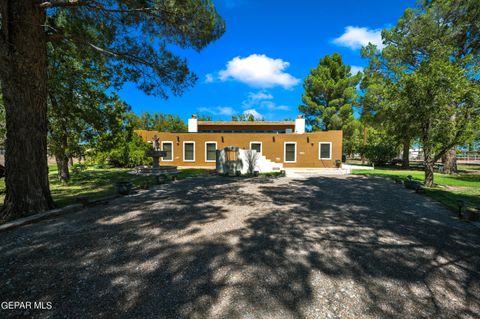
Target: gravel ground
(319,247)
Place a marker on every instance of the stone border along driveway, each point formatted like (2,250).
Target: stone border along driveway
(318,247)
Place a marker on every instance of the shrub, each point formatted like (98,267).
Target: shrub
(380,148)
(128,152)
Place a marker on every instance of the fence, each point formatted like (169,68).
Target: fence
(469,157)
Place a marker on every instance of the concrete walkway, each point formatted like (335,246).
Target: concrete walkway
(303,173)
(315,247)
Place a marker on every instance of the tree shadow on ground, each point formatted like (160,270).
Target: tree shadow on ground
(370,231)
(232,248)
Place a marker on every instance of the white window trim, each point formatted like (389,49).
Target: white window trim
(285,152)
(194,148)
(320,151)
(256,142)
(167,142)
(210,142)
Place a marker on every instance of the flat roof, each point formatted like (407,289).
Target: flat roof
(246,123)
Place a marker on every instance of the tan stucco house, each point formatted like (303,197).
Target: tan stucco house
(283,142)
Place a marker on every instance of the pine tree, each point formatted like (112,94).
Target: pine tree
(329,97)
(132,35)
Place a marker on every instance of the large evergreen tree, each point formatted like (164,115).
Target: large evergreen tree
(329,97)
(133,35)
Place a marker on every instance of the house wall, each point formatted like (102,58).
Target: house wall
(272,146)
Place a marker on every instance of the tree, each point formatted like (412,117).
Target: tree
(462,19)
(354,130)
(129,150)
(245,117)
(76,102)
(382,102)
(204,117)
(158,122)
(97,28)
(329,98)
(2,123)
(119,145)
(381,147)
(434,77)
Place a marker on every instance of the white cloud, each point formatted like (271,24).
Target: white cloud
(273,106)
(259,70)
(357,37)
(260,96)
(209,78)
(253,112)
(255,99)
(262,100)
(355,69)
(219,110)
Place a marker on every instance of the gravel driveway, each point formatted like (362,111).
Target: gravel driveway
(319,247)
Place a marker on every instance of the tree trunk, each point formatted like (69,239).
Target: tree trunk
(23,74)
(428,174)
(428,162)
(59,141)
(62,165)
(449,160)
(364,143)
(406,153)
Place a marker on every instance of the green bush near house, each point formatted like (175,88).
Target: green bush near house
(381,148)
(130,151)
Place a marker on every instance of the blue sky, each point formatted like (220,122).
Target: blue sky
(259,64)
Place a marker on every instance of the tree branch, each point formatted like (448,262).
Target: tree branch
(63,4)
(450,145)
(127,56)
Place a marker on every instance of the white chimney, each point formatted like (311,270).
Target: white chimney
(300,125)
(193,124)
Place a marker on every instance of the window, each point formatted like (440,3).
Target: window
(189,151)
(325,150)
(290,152)
(210,151)
(168,148)
(257,146)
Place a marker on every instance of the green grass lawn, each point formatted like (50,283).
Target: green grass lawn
(97,182)
(448,189)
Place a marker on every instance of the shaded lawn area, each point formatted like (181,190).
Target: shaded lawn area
(448,189)
(97,182)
